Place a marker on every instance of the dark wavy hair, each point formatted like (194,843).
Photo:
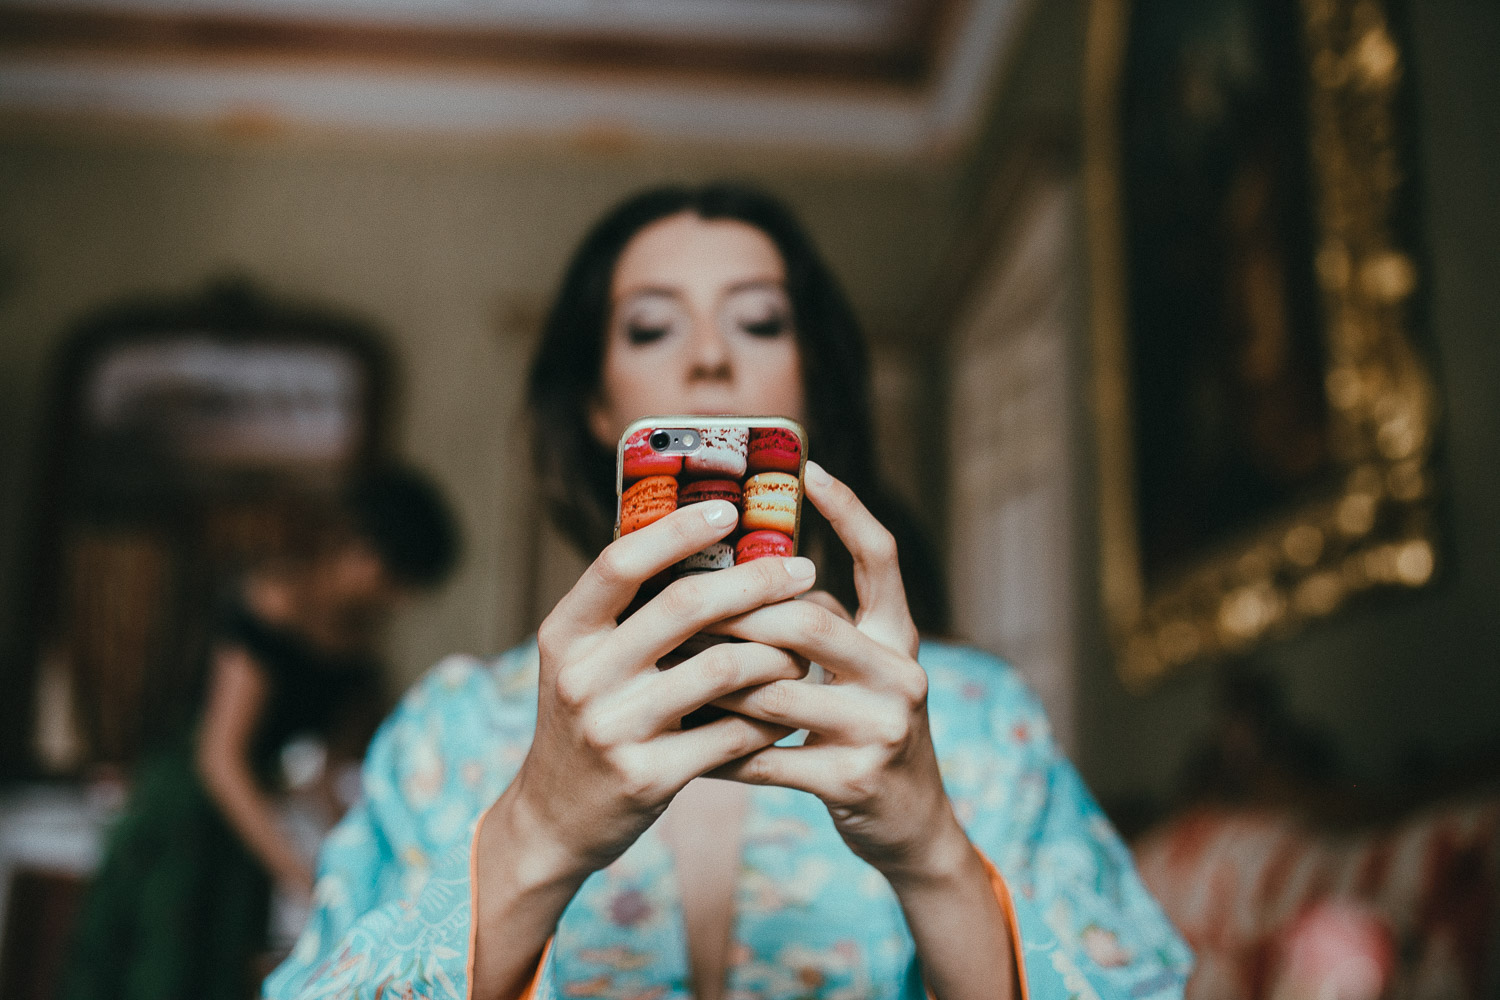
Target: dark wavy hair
(578,474)
(403,515)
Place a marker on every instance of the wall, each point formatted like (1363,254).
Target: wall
(454,250)
(1011,504)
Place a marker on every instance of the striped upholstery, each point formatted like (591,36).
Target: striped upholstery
(1236,881)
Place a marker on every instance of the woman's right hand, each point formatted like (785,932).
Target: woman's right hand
(609,752)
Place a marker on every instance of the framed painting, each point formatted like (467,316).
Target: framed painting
(1266,424)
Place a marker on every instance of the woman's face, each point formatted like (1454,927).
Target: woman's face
(699,323)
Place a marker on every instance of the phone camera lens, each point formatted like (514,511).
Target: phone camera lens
(660,441)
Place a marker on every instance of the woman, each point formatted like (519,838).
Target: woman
(180,908)
(861,863)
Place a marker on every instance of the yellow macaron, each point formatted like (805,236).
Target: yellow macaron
(771,502)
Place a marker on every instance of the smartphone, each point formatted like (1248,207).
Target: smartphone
(756,463)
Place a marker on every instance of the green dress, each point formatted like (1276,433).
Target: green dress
(179,908)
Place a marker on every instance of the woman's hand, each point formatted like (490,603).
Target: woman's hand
(609,752)
(869,754)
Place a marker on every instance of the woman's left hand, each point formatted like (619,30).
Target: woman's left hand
(869,753)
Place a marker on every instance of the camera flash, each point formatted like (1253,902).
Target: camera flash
(690,440)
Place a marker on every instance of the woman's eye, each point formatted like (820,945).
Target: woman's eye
(644,334)
(770,327)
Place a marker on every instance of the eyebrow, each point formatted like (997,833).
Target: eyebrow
(667,291)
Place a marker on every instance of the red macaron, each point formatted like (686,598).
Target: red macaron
(774,449)
(711,489)
(760,544)
(643,460)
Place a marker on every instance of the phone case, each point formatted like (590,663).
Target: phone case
(756,463)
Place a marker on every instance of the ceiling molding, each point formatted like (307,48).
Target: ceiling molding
(878,41)
(831,94)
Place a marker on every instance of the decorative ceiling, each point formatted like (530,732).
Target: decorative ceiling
(891,40)
(896,77)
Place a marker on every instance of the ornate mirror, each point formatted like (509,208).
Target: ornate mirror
(184,437)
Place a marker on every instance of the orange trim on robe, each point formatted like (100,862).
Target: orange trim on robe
(536,977)
(997,886)
(1002,896)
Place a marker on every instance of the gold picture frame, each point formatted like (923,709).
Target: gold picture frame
(1373,528)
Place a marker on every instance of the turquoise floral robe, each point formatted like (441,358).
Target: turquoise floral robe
(392,909)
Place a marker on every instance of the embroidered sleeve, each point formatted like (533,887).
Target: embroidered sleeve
(543,984)
(1088,926)
(392,904)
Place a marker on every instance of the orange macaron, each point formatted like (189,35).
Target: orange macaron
(651,499)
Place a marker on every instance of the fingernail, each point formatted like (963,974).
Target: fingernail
(800,568)
(816,474)
(719,513)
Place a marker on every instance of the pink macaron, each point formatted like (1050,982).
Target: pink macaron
(721,452)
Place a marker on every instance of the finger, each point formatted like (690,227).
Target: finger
(815,633)
(839,712)
(692,604)
(691,753)
(659,700)
(807,769)
(605,589)
(824,599)
(877,572)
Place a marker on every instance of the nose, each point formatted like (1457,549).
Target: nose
(710,355)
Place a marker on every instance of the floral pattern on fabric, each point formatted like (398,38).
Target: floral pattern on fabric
(392,906)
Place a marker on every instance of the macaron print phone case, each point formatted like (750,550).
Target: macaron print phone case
(754,463)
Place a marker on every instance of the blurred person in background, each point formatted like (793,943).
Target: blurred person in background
(179,909)
(509,842)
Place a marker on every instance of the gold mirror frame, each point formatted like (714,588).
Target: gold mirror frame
(1375,530)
